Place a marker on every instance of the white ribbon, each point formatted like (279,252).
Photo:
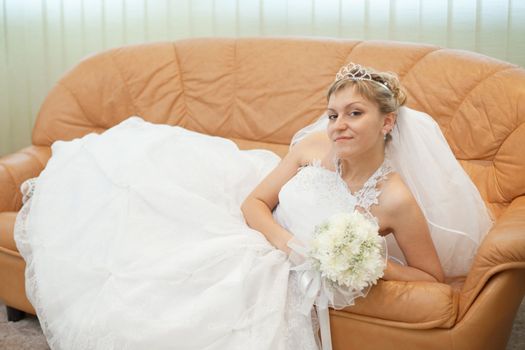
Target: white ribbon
(310,284)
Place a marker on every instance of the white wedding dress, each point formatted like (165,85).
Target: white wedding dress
(134,239)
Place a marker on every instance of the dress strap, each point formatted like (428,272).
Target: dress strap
(368,195)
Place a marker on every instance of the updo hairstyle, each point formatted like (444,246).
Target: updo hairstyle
(383,88)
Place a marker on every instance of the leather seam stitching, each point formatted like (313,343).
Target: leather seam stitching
(181,80)
(345,58)
(34,157)
(494,162)
(125,83)
(483,80)
(15,184)
(418,61)
(70,92)
(233,103)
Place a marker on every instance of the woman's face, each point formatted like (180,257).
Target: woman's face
(356,126)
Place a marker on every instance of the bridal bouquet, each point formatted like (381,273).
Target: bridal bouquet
(348,251)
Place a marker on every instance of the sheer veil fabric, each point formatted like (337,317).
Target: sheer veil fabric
(455,212)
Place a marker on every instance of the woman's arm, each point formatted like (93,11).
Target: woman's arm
(397,272)
(411,232)
(257,207)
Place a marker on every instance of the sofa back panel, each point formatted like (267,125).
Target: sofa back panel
(490,125)
(478,103)
(281,85)
(393,56)
(207,79)
(440,81)
(90,97)
(152,76)
(104,89)
(265,89)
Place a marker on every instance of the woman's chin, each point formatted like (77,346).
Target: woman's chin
(344,154)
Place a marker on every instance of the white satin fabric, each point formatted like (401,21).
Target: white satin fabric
(456,214)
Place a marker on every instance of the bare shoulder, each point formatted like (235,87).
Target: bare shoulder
(395,195)
(397,205)
(313,146)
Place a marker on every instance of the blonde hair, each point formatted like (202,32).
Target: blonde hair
(383,88)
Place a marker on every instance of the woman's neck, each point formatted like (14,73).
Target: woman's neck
(356,170)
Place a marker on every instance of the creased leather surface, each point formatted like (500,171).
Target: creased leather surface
(7,225)
(15,169)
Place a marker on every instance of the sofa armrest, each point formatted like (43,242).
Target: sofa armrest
(412,305)
(17,167)
(502,249)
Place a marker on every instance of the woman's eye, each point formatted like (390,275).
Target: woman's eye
(332,116)
(355,113)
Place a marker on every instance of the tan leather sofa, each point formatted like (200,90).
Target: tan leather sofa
(258,92)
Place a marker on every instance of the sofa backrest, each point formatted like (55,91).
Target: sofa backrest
(259,91)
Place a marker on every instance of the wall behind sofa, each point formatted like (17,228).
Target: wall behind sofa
(41,39)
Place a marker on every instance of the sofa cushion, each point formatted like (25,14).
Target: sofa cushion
(416,305)
(7,226)
(12,277)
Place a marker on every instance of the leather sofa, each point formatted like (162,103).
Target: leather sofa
(258,92)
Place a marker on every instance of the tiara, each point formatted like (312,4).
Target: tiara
(353,71)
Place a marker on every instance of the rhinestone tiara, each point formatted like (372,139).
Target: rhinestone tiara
(354,71)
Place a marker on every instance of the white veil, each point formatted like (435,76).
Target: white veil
(456,214)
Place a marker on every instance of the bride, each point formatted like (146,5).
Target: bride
(153,236)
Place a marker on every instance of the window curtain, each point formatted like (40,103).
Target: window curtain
(41,39)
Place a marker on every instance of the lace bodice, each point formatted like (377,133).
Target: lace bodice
(315,193)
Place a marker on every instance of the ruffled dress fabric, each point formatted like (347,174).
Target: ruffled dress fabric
(134,239)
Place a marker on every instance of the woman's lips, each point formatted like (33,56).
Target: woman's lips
(343,138)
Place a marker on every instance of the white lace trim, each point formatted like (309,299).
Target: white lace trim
(28,189)
(366,196)
(24,244)
(325,184)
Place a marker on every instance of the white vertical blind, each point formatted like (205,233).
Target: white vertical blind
(515,50)
(463,25)
(5,117)
(41,39)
